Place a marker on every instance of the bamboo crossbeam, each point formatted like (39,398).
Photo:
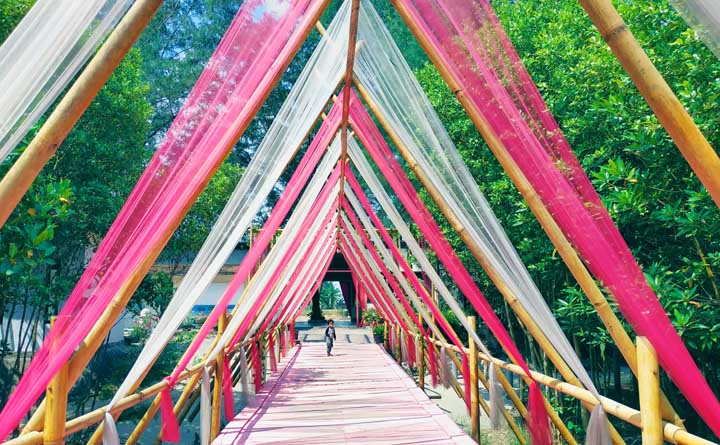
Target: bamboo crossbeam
(671,432)
(657,93)
(21,175)
(555,234)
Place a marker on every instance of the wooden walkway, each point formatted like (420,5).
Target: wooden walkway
(359,395)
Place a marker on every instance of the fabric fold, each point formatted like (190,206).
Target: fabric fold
(227,382)
(110,434)
(496,397)
(170,427)
(205,407)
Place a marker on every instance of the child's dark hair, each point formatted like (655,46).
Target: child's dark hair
(331,321)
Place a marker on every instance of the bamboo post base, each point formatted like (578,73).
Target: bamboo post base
(474,391)
(649,389)
(56,396)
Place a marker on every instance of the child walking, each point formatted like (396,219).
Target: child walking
(330,336)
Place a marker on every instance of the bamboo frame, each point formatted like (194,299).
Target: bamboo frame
(671,432)
(94,417)
(474,390)
(21,175)
(649,389)
(555,234)
(657,93)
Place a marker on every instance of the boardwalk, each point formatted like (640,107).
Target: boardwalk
(359,395)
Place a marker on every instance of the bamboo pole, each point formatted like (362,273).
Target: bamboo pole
(474,390)
(354,15)
(672,432)
(386,341)
(649,389)
(657,93)
(56,396)
(474,248)
(563,246)
(72,106)
(421,364)
(217,394)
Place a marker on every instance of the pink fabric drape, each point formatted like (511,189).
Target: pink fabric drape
(259,246)
(257,304)
(388,310)
(299,237)
(402,261)
(248,61)
(378,149)
(256,364)
(227,385)
(170,431)
(390,278)
(473,46)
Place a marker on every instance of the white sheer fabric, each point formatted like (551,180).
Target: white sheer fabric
(42,55)
(290,127)
(703,16)
(367,173)
(381,68)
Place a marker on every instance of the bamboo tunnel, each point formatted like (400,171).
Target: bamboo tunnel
(563,246)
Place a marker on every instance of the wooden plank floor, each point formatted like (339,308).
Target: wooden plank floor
(358,395)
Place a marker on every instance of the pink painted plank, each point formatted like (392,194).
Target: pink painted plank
(359,395)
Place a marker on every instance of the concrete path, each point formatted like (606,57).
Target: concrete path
(359,395)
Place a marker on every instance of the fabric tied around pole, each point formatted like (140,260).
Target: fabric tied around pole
(170,427)
(444,368)
(497,405)
(598,432)
(466,381)
(538,421)
(271,351)
(110,434)
(227,383)
(205,407)
(411,350)
(403,347)
(432,363)
(257,366)
(244,376)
